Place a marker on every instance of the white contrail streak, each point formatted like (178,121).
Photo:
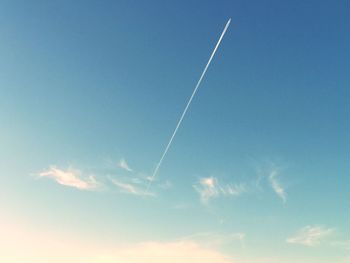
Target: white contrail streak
(187,106)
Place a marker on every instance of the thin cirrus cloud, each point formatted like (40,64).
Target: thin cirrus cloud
(343,244)
(276,185)
(209,188)
(130,188)
(212,239)
(311,236)
(170,252)
(71,177)
(124,165)
(135,183)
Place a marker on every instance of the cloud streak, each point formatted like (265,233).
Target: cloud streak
(159,252)
(344,244)
(124,165)
(310,236)
(209,188)
(135,183)
(71,177)
(210,239)
(276,185)
(129,188)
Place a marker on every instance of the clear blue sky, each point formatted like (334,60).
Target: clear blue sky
(90,92)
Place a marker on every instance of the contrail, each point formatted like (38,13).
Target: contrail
(187,106)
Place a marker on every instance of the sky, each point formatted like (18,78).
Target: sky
(91,91)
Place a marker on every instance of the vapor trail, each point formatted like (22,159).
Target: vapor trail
(187,106)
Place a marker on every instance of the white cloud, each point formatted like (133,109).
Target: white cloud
(210,239)
(310,236)
(209,187)
(276,185)
(20,242)
(130,188)
(124,165)
(156,252)
(71,177)
(136,183)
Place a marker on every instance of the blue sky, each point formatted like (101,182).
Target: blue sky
(90,93)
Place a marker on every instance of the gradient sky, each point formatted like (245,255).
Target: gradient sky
(90,92)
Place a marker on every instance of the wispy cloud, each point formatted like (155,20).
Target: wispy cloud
(209,187)
(40,247)
(71,177)
(124,165)
(310,236)
(235,189)
(182,206)
(166,185)
(130,188)
(276,185)
(135,182)
(159,252)
(344,244)
(216,239)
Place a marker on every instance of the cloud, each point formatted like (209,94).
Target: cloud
(276,185)
(216,239)
(311,236)
(124,165)
(157,252)
(130,188)
(235,190)
(209,187)
(181,206)
(344,244)
(71,177)
(166,185)
(135,182)
(22,242)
